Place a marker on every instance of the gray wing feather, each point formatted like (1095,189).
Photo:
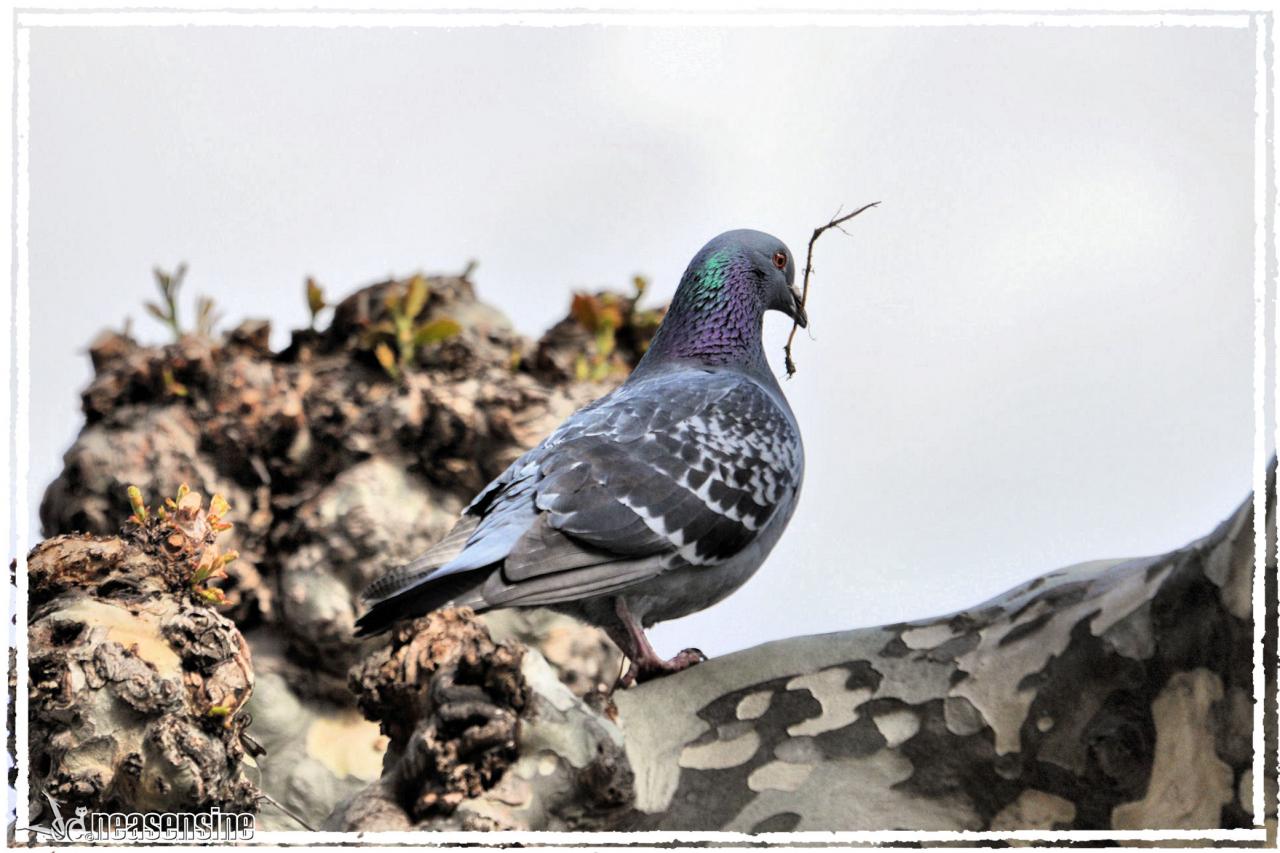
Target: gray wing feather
(571,585)
(542,546)
(717,460)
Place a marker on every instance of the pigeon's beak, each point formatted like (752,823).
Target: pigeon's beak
(797,311)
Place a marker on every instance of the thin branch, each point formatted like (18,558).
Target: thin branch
(836,222)
(263,795)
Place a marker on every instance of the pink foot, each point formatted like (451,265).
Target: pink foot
(643,670)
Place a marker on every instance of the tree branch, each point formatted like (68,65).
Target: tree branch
(836,222)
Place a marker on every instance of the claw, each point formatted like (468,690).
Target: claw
(642,671)
(679,663)
(645,663)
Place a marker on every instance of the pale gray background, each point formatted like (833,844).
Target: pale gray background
(1037,351)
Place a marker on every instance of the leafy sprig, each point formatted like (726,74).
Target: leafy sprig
(396,341)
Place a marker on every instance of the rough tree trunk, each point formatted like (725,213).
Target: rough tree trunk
(1113,694)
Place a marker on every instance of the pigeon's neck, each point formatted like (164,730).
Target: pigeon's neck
(715,319)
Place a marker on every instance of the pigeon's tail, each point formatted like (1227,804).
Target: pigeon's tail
(460,590)
(412,573)
(409,591)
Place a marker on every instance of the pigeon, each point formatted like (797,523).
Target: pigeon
(653,502)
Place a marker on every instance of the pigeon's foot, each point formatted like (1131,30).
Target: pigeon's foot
(642,670)
(645,662)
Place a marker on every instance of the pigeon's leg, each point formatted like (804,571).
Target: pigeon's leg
(645,662)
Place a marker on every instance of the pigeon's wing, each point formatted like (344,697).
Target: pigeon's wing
(679,469)
(695,466)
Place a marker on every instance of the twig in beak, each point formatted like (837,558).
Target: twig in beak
(836,222)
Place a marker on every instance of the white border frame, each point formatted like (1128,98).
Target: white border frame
(1266,205)
(8,515)
(1263,246)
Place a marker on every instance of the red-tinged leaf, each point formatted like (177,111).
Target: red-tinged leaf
(585,308)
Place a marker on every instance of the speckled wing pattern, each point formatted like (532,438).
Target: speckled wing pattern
(684,467)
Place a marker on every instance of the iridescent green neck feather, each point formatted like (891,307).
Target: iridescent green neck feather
(716,315)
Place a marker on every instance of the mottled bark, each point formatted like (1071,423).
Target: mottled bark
(1113,694)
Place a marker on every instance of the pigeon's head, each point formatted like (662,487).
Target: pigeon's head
(718,310)
(747,266)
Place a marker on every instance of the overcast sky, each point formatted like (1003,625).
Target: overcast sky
(1037,351)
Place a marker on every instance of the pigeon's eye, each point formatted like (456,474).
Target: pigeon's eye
(780,260)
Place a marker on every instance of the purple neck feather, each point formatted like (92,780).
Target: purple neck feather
(715,317)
